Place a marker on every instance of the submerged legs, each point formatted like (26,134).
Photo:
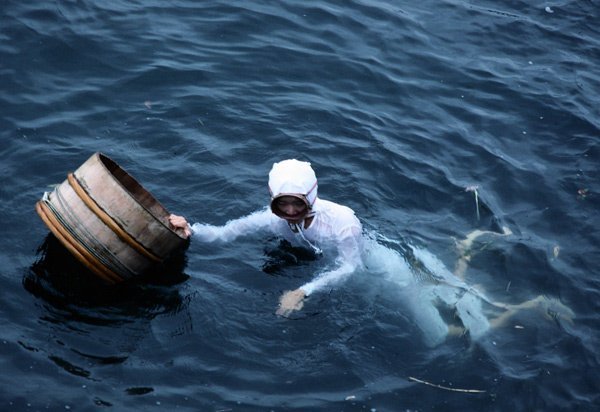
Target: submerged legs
(551,308)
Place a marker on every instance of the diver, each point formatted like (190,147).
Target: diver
(297,215)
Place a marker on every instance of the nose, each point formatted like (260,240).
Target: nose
(289,209)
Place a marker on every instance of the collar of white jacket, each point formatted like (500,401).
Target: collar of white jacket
(293,177)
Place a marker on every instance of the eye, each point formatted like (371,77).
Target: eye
(296,203)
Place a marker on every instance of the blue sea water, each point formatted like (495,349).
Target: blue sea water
(400,107)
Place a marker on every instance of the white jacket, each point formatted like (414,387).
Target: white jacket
(334,227)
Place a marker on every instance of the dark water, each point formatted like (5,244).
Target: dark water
(398,105)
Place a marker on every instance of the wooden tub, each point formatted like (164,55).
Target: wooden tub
(108,221)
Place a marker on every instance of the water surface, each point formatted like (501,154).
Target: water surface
(400,106)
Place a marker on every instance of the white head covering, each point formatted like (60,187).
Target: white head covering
(293,178)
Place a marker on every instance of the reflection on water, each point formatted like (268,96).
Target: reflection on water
(95,324)
(58,278)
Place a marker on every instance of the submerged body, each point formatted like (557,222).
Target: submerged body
(427,289)
(296,214)
(424,283)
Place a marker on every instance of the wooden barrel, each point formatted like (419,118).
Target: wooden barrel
(108,221)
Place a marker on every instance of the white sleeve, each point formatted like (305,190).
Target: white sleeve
(232,229)
(348,260)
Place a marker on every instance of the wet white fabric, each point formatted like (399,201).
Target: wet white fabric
(424,297)
(454,292)
(333,227)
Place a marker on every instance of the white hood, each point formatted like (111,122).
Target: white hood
(293,178)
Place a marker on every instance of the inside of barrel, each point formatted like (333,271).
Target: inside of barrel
(141,195)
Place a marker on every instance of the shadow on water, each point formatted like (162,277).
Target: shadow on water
(94,324)
(284,255)
(59,279)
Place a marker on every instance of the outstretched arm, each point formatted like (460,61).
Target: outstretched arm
(294,299)
(225,233)
(349,259)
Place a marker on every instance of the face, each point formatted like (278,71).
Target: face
(292,209)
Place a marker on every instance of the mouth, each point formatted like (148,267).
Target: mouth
(297,216)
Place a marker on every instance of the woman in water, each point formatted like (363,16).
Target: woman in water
(297,215)
(427,287)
